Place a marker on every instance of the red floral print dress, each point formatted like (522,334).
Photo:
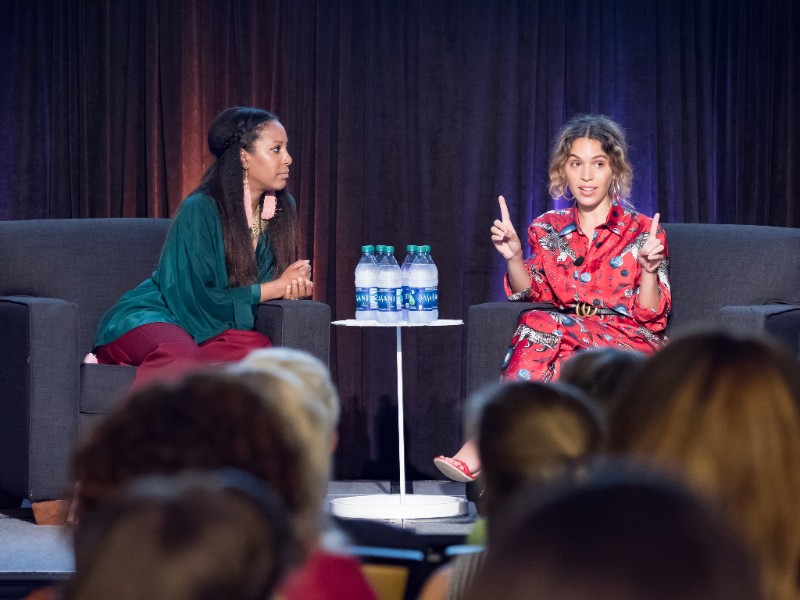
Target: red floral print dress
(566,268)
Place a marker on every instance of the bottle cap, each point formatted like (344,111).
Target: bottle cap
(390,249)
(411,248)
(380,248)
(368,248)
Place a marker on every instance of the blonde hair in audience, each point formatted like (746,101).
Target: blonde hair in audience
(724,411)
(311,421)
(308,368)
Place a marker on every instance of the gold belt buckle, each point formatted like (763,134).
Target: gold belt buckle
(582,309)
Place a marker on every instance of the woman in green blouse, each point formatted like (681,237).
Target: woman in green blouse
(234,243)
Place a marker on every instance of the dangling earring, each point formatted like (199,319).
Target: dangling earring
(616,190)
(270,206)
(247,197)
(253,224)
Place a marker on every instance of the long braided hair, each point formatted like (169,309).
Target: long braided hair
(233,130)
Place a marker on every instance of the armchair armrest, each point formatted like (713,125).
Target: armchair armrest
(781,321)
(490,327)
(301,324)
(39,394)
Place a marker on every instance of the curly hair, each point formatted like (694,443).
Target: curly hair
(233,130)
(218,534)
(207,421)
(612,139)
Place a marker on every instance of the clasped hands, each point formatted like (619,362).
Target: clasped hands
(296,280)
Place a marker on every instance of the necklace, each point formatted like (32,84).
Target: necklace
(255,227)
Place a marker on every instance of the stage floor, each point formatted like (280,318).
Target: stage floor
(30,554)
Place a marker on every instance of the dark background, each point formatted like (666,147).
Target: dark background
(406,119)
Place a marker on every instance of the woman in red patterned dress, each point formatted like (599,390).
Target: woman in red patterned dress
(600,263)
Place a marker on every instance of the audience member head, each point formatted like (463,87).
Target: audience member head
(611,138)
(207,421)
(616,537)
(723,410)
(311,371)
(313,412)
(602,373)
(189,537)
(529,431)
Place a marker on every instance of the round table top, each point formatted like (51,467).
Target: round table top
(436,323)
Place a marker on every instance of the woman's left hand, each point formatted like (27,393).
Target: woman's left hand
(299,288)
(652,252)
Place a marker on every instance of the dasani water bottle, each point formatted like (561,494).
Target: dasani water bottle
(367,286)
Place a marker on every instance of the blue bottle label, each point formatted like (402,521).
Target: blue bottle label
(362,299)
(389,300)
(424,298)
(406,291)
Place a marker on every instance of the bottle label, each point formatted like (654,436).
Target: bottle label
(389,300)
(423,298)
(406,291)
(373,298)
(362,298)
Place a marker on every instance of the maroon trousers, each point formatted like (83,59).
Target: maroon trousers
(162,351)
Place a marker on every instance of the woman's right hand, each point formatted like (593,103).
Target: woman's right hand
(293,284)
(504,236)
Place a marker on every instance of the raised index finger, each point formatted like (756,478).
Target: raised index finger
(654,225)
(503,210)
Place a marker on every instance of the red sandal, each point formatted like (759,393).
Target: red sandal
(455,469)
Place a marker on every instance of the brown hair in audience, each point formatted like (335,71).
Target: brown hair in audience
(723,410)
(617,537)
(602,373)
(530,431)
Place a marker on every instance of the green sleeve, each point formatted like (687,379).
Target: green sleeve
(193,277)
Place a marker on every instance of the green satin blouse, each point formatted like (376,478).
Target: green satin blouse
(189,287)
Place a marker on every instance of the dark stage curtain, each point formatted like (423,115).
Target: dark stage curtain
(406,120)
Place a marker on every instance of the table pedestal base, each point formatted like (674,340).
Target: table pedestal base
(389,506)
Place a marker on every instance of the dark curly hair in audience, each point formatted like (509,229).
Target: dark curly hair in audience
(233,130)
(194,536)
(207,421)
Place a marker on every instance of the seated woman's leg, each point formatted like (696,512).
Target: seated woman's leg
(159,350)
(232,345)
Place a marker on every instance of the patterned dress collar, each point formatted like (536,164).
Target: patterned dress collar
(617,220)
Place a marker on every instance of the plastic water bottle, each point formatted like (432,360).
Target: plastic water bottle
(432,292)
(367,286)
(411,254)
(390,289)
(418,287)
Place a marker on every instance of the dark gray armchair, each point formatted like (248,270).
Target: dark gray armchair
(744,278)
(58,277)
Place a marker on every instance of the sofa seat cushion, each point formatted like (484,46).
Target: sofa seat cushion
(103,386)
